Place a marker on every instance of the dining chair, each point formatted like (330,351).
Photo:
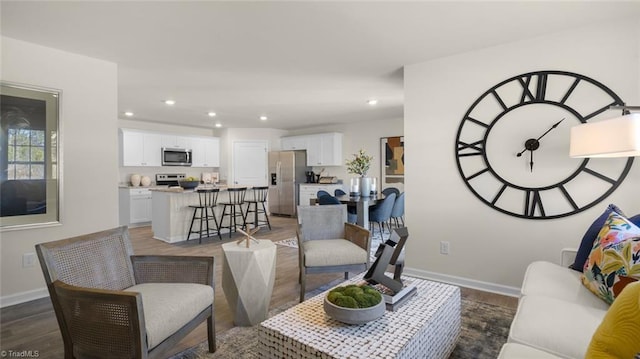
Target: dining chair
(110,303)
(397,212)
(321,193)
(352,216)
(338,192)
(327,243)
(381,213)
(387,191)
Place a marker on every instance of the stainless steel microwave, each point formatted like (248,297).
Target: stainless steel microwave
(176,157)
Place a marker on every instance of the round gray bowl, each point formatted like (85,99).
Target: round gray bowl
(354,316)
(189,184)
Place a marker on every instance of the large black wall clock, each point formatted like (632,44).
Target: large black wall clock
(512,146)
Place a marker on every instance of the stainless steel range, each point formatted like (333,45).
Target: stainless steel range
(169,179)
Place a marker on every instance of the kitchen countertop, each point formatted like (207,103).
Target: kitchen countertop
(142,187)
(177,189)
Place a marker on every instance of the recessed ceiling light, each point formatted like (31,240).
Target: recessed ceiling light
(218,125)
(263,118)
(170,102)
(128,113)
(211,114)
(372,102)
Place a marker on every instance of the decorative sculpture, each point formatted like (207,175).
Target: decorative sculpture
(388,253)
(248,236)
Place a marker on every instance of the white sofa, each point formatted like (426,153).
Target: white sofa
(556,315)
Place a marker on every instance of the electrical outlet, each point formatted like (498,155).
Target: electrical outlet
(28,260)
(444,247)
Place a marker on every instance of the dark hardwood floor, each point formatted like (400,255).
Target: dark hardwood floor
(32,326)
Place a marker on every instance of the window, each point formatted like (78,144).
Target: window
(29,179)
(25,154)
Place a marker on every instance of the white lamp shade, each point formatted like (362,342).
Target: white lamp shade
(617,137)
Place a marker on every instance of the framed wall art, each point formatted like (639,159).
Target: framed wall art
(392,166)
(29,176)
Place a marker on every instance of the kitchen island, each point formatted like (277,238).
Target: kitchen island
(171,214)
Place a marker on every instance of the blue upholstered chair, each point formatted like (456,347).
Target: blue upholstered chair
(338,192)
(397,212)
(387,191)
(328,199)
(322,193)
(381,214)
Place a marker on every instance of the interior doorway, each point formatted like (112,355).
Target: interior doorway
(249,163)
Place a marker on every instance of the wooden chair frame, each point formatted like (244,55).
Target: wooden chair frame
(107,322)
(356,234)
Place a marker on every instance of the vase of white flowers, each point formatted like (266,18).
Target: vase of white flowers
(360,165)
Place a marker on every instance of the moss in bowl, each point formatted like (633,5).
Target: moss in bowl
(354,304)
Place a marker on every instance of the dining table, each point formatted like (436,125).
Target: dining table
(362,205)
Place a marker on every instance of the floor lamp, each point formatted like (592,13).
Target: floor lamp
(616,137)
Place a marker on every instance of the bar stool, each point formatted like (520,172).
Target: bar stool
(259,196)
(204,212)
(236,200)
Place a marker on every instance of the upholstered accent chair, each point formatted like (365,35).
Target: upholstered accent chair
(352,216)
(110,303)
(327,243)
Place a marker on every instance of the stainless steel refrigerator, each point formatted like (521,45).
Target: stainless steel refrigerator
(286,171)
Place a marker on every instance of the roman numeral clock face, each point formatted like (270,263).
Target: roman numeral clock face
(512,146)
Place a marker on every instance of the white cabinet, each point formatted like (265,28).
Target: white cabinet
(324,149)
(309,191)
(293,143)
(206,151)
(172,141)
(140,148)
(135,206)
(314,150)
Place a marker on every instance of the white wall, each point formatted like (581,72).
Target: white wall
(89,148)
(490,249)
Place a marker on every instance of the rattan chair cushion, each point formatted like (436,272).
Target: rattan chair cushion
(332,252)
(168,307)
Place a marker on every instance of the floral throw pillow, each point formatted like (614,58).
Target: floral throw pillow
(614,260)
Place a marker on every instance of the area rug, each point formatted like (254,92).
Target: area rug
(289,242)
(484,329)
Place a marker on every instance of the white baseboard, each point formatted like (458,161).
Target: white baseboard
(463,282)
(22,297)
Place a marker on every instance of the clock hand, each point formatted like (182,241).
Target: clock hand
(532,144)
(549,130)
(531,160)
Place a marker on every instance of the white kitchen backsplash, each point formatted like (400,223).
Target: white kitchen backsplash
(126,172)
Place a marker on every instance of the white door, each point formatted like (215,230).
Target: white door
(250,163)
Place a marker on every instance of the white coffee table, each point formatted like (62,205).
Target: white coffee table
(248,275)
(427,326)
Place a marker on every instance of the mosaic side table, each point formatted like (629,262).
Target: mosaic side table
(248,275)
(426,326)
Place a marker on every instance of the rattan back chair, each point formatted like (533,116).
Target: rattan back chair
(98,289)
